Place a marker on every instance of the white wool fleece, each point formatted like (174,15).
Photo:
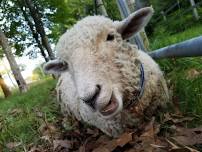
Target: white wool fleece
(100,71)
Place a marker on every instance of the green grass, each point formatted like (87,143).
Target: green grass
(22,124)
(162,38)
(184,83)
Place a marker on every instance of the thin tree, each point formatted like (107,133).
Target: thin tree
(35,14)
(33,30)
(4,87)
(13,64)
(100,6)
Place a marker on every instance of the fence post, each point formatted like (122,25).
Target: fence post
(195,12)
(164,15)
(125,12)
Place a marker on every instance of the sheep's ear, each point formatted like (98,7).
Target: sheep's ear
(135,22)
(55,66)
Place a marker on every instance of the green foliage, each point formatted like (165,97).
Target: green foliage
(112,9)
(57,18)
(22,127)
(184,75)
(178,20)
(13,25)
(64,14)
(38,72)
(161,4)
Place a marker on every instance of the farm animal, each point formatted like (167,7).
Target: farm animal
(104,80)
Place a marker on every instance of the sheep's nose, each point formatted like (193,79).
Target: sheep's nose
(91,97)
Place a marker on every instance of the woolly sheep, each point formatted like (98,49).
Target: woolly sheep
(105,81)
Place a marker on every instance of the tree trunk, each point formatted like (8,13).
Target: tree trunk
(13,64)
(101,8)
(34,32)
(4,87)
(39,27)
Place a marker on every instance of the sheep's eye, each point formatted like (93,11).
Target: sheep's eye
(110,37)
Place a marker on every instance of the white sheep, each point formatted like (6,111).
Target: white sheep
(104,80)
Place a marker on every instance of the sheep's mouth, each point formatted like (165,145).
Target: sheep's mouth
(111,107)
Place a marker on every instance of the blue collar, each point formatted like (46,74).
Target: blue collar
(141,91)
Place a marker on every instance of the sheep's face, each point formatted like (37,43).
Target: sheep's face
(100,62)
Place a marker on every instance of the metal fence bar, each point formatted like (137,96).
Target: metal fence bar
(171,8)
(189,48)
(191,7)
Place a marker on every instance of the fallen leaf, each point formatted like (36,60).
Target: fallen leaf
(89,144)
(35,149)
(61,144)
(188,136)
(101,149)
(180,148)
(94,132)
(111,145)
(47,129)
(176,118)
(193,73)
(13,145)
(148,136)
(158,146)
(124,139)
(15,112)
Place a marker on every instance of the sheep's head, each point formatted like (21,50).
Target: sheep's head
(100,61)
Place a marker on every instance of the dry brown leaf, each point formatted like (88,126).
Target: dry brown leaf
(62,144)
(13,145)
(193,73)
(186,136)
(101,149)
(39,114)
(183,149)
(111,145)
(148,136)
(15,112)
(89,144)
(47,129)
(124,139)
(35,149)
(102,140)
(191,149)
(176,118)
(158,146)
(180,147)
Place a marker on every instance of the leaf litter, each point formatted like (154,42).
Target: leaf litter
(57,137)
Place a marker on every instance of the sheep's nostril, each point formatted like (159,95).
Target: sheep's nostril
(91,97)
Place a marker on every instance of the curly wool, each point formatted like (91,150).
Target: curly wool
(121,67)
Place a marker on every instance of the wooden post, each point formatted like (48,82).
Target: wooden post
(195,12)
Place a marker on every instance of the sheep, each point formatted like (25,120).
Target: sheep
(104,80)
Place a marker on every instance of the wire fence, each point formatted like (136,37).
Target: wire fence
(165,13)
